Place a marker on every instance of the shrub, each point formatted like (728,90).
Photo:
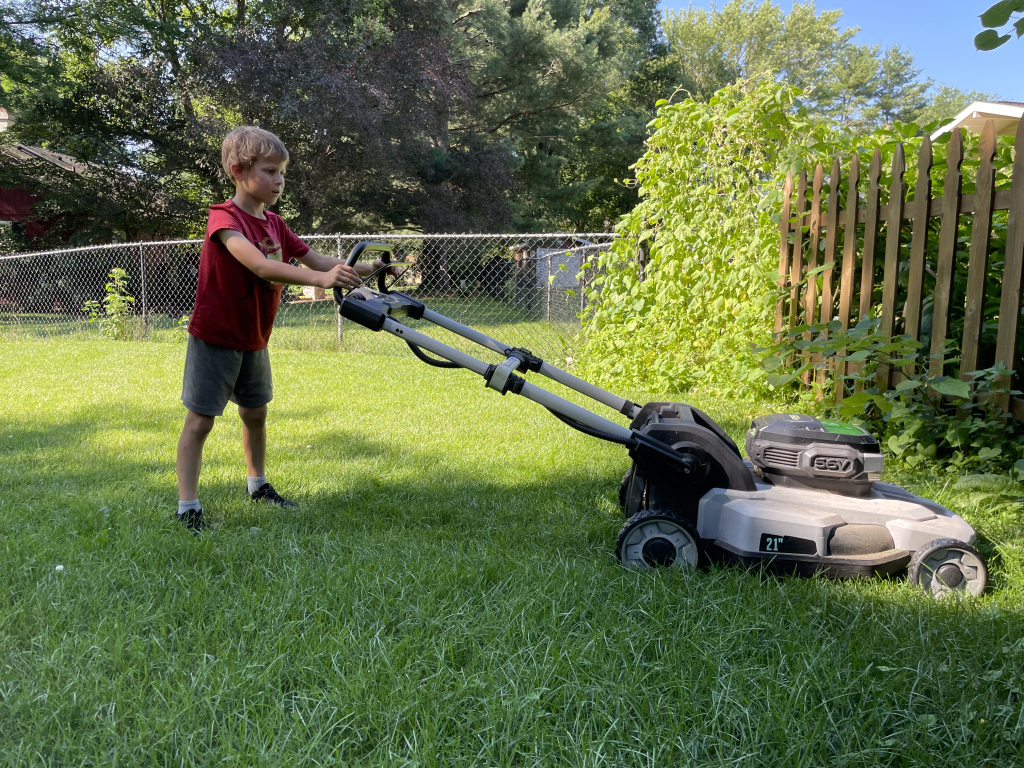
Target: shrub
(942,420)
(710,198)
(710,190)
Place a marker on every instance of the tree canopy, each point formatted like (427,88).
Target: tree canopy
(851,84)
(420,115)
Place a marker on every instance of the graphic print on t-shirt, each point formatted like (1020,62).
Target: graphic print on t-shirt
(270,248)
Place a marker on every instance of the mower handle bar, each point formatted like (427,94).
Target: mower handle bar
(530,391)
(621,405)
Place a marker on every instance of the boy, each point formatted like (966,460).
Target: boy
(244,262)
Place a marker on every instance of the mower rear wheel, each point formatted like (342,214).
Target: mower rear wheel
(655,539)
(945,566)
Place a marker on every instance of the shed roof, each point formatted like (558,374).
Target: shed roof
(1005,114)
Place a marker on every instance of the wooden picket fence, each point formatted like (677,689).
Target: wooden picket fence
(803,228)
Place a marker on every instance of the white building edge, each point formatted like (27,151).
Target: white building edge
(1005,114)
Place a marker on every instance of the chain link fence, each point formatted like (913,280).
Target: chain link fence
(525,290)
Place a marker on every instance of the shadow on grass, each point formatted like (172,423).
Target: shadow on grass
(55,472)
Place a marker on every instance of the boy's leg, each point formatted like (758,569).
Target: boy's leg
(253,390)
(190,453)
(254,439)
(210,373)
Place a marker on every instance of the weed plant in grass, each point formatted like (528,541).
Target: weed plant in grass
(445,595)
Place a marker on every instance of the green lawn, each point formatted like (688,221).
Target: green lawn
(446,595)
(313,327)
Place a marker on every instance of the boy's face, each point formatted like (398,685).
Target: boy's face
(263,180)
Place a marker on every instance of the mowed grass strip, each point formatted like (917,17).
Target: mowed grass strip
(446,595)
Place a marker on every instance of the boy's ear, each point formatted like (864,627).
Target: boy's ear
(238,171)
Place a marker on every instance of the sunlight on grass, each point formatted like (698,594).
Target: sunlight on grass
(446,594)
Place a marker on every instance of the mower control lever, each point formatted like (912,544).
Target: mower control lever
(385,256)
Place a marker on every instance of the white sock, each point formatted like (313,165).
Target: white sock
(255,483)
(185,506)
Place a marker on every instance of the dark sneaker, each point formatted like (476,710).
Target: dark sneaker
(267,494)
(193,520)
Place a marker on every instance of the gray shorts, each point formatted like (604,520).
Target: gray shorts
(214,375)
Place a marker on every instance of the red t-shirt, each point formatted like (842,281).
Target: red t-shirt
(234,308)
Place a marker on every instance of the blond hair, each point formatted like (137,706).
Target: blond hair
(246,145)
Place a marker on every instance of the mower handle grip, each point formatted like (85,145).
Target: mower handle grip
(385,256)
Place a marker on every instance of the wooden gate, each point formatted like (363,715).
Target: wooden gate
(809,238)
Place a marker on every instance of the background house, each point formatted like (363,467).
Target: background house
(16,204)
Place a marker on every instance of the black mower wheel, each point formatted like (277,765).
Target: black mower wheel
(624,487)
(945,566)
(655,539)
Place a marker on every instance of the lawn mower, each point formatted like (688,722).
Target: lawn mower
(809,499)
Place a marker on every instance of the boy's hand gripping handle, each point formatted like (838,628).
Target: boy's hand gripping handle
(384,253)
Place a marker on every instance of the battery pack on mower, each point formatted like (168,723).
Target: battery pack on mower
(805,452)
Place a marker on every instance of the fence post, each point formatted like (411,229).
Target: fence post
(849,263)
(142,277)
(796,267)
(341,321)
(784,227)
(867,273)
(919,243)
(550,281)
(811,289)
(831,227)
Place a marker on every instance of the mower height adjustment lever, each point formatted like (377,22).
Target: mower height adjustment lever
(684,461)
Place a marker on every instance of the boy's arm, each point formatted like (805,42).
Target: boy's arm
(321,263)
(336,275)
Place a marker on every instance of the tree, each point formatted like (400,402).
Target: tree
(439,115)
(846,93)
(857,86)
(899,95)
(549,80)
(743,40)
(944,103)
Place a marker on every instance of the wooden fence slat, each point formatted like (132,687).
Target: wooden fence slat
(780,306)
(947,248)
(867,276)
(977,266)
(894,225)
(829,257)
(919,241)
(797,272)
(1013,272)
(849,263)
(811,289)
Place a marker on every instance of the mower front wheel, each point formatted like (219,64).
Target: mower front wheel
(944,566)
(655,539)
